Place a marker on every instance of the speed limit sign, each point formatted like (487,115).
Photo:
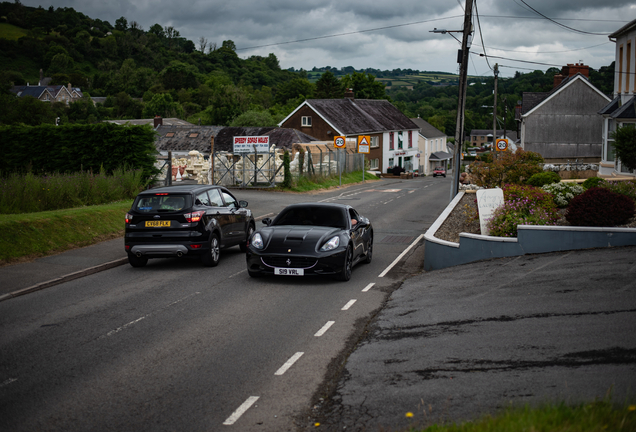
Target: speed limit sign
(502,144)
(339,142)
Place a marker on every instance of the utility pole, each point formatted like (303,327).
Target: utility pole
(494,110)
(462,58)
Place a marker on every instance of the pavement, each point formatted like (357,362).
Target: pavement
(24,278)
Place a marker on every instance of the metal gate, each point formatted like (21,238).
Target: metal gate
(246,169)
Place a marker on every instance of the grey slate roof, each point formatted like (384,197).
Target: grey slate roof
(357,116)
(440,156)
(426,129)
(611,107)
(281,137)
(185,137)
(171,121)
(627,111)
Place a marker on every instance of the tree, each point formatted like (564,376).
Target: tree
(121,24)
(163,105)
(364,86)
(178,75)
(254,118)
(203,43)
(298,87)
(625,145)
(329,87)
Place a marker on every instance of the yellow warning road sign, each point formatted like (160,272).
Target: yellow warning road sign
(364,143)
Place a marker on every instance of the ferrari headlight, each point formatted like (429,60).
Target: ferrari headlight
(333,243)
(257,241)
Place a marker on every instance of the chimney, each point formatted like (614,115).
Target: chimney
(349,94)
(41,77)
(558,79)
(69,87)
(158,121)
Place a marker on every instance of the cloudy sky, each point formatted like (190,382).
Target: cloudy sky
(386,35)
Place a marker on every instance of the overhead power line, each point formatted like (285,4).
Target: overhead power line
(562,25)
(421,22)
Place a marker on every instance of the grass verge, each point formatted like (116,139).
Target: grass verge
(30,235)
(589,417)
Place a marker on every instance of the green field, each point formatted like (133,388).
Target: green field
(9,31)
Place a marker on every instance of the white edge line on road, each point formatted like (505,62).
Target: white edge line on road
(349,304)
(240,410)
(7,382)
(324,328)
(288,363)
(401,255)
(368,287)
(263,216)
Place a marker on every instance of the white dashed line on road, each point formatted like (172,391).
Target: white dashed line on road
(368,287)
(240,410)
(349,304)
(324,328)
(289,363)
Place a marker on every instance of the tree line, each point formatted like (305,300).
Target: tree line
(157,72)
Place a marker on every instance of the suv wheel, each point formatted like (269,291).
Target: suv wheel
(136,261)
(213,255)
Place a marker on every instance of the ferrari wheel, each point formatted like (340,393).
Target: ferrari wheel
(369,256)
(211,258)
(345,273)
(243,245)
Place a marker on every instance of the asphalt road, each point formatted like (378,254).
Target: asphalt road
(456,344)
(176,346)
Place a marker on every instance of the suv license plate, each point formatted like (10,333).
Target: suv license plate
(155,224)
(288,271)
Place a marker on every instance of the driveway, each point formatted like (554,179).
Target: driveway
(458,343)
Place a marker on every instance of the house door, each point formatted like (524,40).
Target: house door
(408,163)
(400,162)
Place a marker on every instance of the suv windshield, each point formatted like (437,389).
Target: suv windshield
(161,203)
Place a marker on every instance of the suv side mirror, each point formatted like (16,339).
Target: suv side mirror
(242,203)
(267,221)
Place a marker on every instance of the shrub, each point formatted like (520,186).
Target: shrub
(507,167)
(543,178)
(627,188)
(523,205)
(563,192)
(592,182)
(600,207)
(534,194)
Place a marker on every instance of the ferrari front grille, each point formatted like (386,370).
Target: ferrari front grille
(289,262)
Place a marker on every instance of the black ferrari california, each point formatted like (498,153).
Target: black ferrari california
(311,239)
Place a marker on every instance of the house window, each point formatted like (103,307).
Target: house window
(391,142)
(193,135)
(374,164)
(400,141)
(611,152)
(629,66)
(305,121)
(170,134)
(390,162)
(410,139)
(375,142)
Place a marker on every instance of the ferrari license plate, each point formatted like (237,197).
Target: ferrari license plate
(158,224)
(288,271)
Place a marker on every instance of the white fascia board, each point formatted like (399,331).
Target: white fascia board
(292,113)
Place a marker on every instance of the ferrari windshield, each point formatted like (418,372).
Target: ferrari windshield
(312,215)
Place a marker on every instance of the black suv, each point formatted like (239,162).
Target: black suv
(186,220)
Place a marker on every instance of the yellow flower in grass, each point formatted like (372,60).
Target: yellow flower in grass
(631,408)
(409,414)
(316,424)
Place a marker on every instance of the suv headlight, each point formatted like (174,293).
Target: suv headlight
(333,243)
(257,241)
